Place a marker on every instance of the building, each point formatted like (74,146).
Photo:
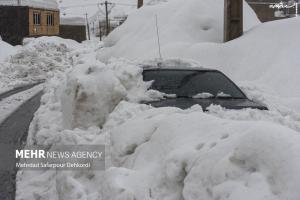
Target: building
(267,10)
(26,18)
(73,28)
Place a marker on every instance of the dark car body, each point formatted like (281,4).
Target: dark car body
(187,82)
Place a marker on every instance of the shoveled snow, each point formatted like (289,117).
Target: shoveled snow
(36,60)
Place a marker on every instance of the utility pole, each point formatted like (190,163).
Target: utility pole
(87,25)
(140,3)
(94,28)
(106,3)
(100,31)
(19,2)
(233,19)
(106,14)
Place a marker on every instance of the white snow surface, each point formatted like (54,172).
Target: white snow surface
(180,23)
(38,59)
(169,153)
(47,4)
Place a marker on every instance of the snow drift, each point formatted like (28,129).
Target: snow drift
(91,93)
(179,21)
(168,153)
(36,60)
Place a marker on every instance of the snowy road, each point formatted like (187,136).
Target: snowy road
(20,108)
(17,90)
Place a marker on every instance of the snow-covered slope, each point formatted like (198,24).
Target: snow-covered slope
(179,22)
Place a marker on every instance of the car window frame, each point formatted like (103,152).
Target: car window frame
(200,70)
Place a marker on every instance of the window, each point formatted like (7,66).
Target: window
(50,21)
(188,83)
(37,18)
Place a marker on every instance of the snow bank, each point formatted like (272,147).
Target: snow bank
(168,153)
(158,153)
(179,22)
(90,95)
(36,60)
(92,91)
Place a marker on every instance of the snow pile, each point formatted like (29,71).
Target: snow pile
(47,4)
(92,91)
(47,129)
(192,22)
(37,60)
(168,153)
(159,153)
(90,94)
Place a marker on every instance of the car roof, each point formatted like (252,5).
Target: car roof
(174,65)
(170,68)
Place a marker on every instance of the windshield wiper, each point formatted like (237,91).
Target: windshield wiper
(228,97)
(183,96)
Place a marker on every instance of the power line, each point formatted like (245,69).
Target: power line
(87,5)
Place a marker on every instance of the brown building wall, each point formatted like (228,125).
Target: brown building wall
(74,32)
(43,28)
(13,24)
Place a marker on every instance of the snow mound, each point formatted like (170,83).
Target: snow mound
(168,153)
(270,62)
(179,21)
(37,60)
(92,91)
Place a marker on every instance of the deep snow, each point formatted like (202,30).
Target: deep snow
(168,153)
(191,23)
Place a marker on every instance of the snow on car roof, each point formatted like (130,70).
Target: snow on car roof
(175,64)
(46,4)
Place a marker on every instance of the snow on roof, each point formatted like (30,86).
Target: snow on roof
(47,4)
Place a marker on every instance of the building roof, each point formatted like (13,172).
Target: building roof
(46,4)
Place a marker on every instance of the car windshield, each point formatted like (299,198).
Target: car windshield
(193,83)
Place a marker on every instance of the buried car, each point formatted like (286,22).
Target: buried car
(185,87)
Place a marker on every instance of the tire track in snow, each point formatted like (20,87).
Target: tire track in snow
(14,129)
